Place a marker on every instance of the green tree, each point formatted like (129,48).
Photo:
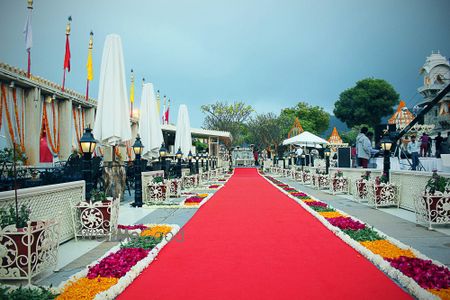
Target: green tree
(267,131)
(228,117)
(350,136)
(313,118)
(366,103)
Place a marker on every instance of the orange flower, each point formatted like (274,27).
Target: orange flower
(308,200)
(191,204)
(202,195)
(157,231)
(444,294)
(386,249)
(330,214)
(85,288)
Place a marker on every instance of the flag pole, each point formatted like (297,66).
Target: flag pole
(131,93)
(67,53)
(29,37)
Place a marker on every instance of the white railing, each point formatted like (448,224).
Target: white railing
(413,185)
(49,202)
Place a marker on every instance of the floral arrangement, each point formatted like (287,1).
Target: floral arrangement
(117,264)
(214,186)
(9,217)
(339,173)
(132,227)
(29,292)
(108,277)
(346,223)
(419,275)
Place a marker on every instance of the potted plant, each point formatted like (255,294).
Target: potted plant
(96,216)
(436,198)
(340,183)
(384,193)
(361,185)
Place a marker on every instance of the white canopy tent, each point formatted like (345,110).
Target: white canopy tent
(183,136)
(306,139)
(112,122)
(149,126)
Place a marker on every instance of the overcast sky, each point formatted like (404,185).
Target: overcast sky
(270,54)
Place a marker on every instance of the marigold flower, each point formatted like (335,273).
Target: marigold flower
(330,214)
(386,249)
(157,230)
(202,195)
(444,294)
(85,288)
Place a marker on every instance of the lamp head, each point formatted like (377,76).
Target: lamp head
(87,141)
(179,154)
(162,151)
(137,146)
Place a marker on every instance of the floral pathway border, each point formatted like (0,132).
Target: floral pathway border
(123,282)
(409,283)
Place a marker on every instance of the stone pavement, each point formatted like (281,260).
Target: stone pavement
(434,244)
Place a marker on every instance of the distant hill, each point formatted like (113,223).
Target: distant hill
(335,122)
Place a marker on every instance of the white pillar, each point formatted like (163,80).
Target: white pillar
(32,124)
(65,128)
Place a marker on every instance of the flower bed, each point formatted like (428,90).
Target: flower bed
(112,273)
(421,276)
(195,200)
(214,186)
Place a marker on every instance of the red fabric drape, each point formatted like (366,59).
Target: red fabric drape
(45,156)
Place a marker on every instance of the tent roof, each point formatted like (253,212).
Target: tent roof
(305,138)
(335,138)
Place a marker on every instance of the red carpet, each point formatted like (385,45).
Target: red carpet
(250,241)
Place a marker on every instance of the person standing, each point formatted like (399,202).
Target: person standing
(256,156)
(363,148)
(413,149)
(424,144)
(437,143)
(299,152)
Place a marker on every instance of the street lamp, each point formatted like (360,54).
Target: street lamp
(327,153)
(162,156)
(137,149)
(179,155)
(207,161)
(303,156)
(87,145)
(386,145)
(190,160)
(284,162)
(202,158)
(197,157)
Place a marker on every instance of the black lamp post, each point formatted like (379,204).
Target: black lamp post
(179,155)
(197,158)
(207,161)
(87,144)
(202,158)
(327,153)
(190,161)
(162,156)
(386,144)
(137,149)
(303,156)
(284,162)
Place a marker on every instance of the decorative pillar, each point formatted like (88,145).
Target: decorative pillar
(65,128)
(32,124)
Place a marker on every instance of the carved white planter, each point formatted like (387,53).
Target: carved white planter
(362,189)
(190,181)
(28,251)
(174,188)
(297,175)
(433,208)
(320,181)
(384,194)
(157,193)
(95,219)
(339,185)
(306,178)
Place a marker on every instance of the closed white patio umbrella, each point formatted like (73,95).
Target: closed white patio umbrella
(112,121)
(183,137)
(149,126)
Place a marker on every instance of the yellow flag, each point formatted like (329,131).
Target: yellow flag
(90,69)
(158,103)
(132,88)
